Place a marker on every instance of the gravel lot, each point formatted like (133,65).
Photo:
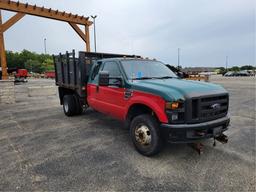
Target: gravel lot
(42,149)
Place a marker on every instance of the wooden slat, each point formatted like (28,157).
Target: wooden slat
(12,21)
(78,30)
(2,51)
(43,12)
(87,36)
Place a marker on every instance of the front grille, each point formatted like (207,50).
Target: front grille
(207,108)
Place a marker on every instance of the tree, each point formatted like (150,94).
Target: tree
(33,66)
(13,59)
(29,60)
(48,65)
(222,70)
(235,68)
(247,67)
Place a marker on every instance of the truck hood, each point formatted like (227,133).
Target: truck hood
(175,89)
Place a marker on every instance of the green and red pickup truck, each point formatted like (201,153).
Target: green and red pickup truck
(154,103)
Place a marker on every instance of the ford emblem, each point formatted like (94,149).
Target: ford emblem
(215,106)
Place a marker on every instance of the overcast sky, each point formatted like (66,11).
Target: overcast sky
(205,30)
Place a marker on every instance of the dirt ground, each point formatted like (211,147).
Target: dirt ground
(42,149)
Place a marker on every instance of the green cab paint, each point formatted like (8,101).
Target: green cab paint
(175,89)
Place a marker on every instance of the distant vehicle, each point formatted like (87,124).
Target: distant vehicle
(237,74)
(21,75)
(229,74)
(243,73)
(49,74)
(152,101)
(251,72)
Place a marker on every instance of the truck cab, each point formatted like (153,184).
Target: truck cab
(154,103)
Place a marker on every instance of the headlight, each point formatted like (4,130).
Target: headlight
(173,105)
(174,116)
(175,111)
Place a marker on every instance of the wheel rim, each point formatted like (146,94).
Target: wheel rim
(66,106)
(143,135)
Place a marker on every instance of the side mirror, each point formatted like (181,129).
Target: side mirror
(103,78)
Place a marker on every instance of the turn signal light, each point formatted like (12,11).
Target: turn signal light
(173,105)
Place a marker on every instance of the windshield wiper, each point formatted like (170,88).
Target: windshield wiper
(143,78)
(165,77)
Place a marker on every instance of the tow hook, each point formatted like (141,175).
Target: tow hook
(222,138)
(198,147)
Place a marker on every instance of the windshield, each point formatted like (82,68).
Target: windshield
(142,69)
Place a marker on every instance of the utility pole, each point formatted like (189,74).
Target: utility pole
(226,63)
(178,58)
(45,52)
(94,27)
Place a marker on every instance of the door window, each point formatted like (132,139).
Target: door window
(113,70)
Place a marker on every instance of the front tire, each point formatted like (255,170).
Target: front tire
(144,131)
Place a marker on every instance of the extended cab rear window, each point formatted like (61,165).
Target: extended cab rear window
(96,70)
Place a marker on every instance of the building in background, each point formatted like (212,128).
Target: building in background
(199,70)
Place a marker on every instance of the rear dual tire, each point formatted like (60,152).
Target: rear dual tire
(71,105)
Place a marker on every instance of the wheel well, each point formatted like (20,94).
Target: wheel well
(63,92)
(138,109)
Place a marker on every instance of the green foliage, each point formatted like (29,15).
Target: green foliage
(247,67)
(48,65)
(235,68)
(222,70)
(31,61)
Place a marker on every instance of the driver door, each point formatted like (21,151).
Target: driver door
(111,98)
